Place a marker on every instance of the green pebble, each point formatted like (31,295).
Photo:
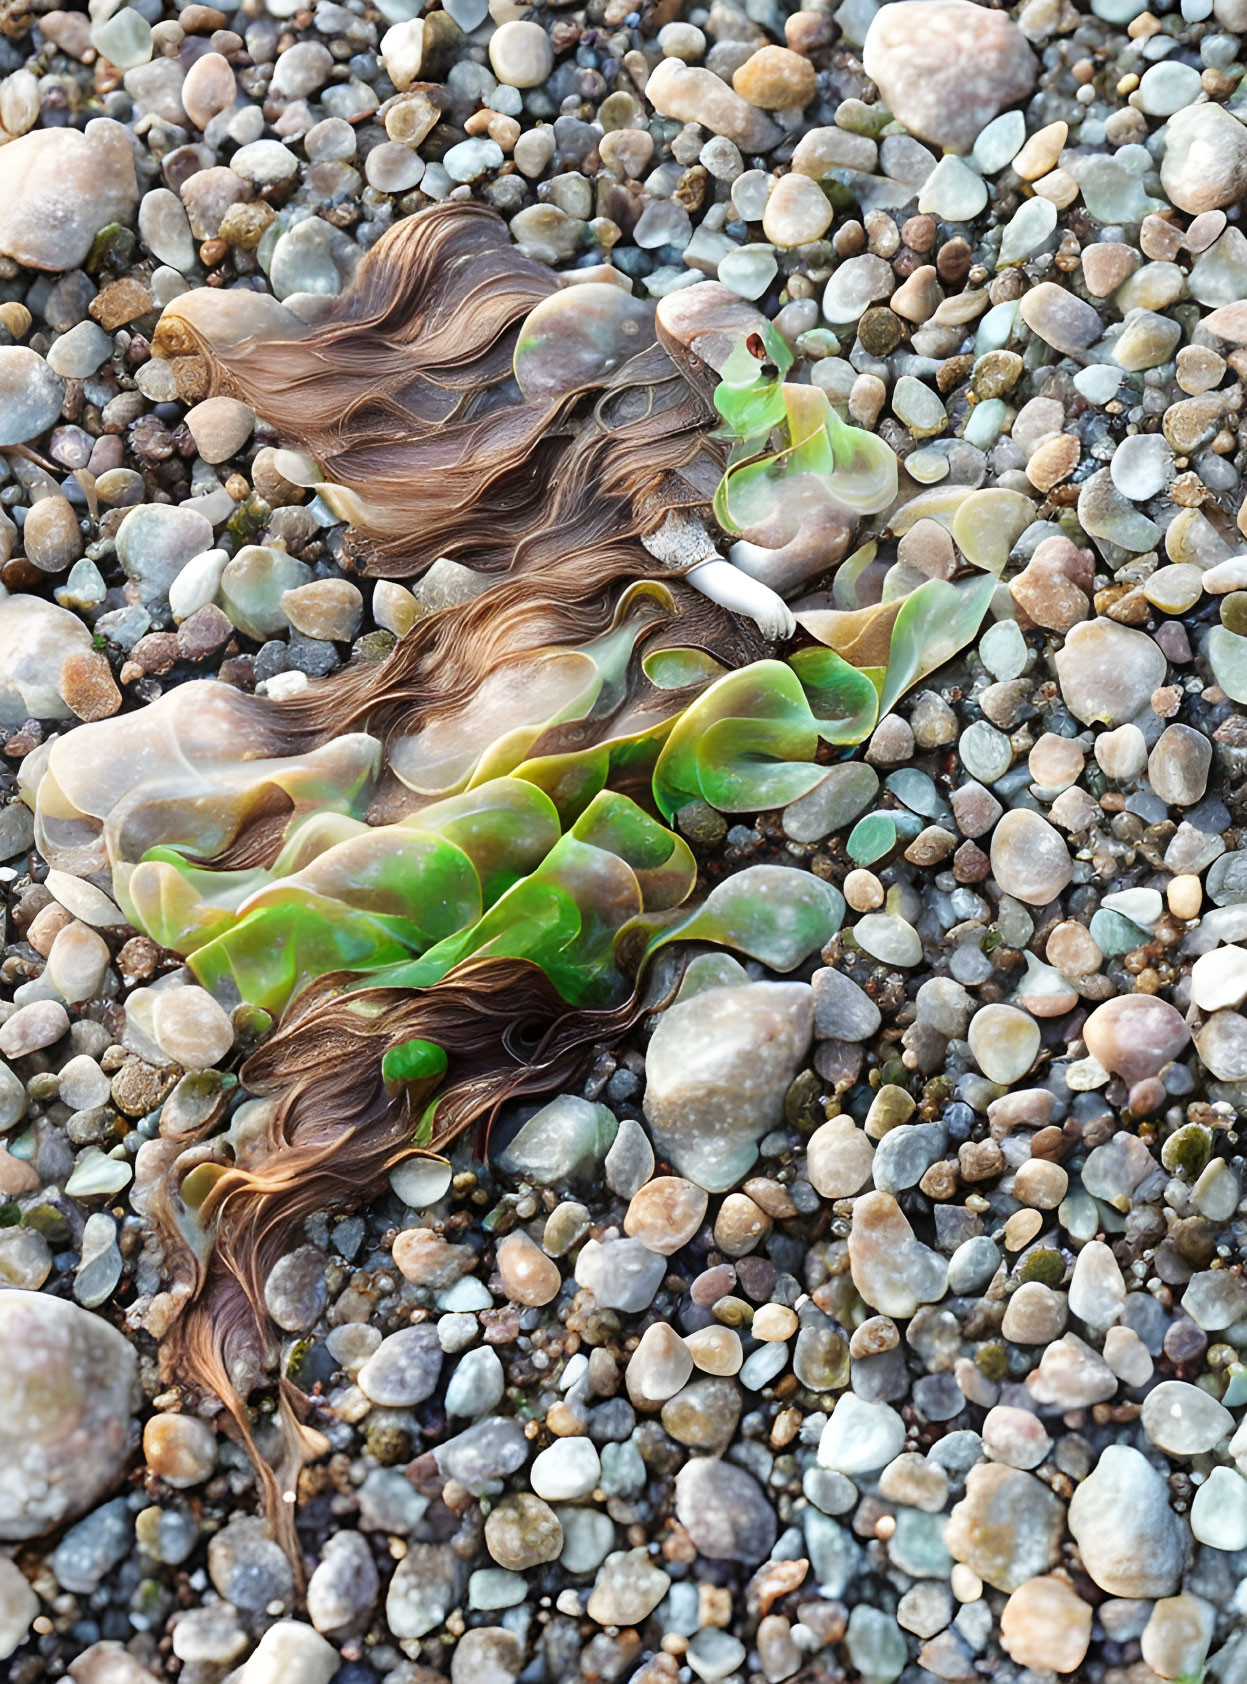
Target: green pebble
(1187,1151)
(414,1061)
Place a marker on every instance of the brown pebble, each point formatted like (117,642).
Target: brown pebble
(740,1225)
(1054,460)
(121,302)
(665,1213)
(1055,585)
(954,261)
(528,1275)
(204,632)
(180,1448)
(51,534)
(88,686)
(776,79)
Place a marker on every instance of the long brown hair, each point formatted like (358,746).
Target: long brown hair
(403,394)
(333,1132)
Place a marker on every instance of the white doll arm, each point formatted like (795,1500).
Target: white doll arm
(731,588)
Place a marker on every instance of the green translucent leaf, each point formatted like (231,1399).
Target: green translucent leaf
(423,1133)
(934,623)
(769,912)
(750,400)
(751,412)
(844,586)
(271,954)
(741,370)
(740,760)
(661,861)
(566,915)
(843,699)
(859,470)
(414,1061)
(745,765)
(309,836)
(506,828)
(777,348)
(866,470)
(569,781)
(676,669)
(166,904)
(392,872)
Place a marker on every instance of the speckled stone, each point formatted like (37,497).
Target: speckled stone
(68,1388)
(947,67)
(1007,1527)
(1131,1542)
(1029,857)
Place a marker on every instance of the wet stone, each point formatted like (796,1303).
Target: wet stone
(905,1154)
(522,1531)
(1071,1375)
(725,1511)
(1046,1625)
(628,1587)
(1004,1041)
(566,1471)
(665,1213)
(717,1069)
(562,1144)
(249,1569)
(860,1437)
(344,1586)
(1183,1420)
(1029,857)
(1130,1540)
(704,1414)
(1219,1510)
(946,72)
(892,1270)
(621,1274)
(1007,1527)
(404,1369)
(60,187)
(1135,1035)
(1205,160)
(1108,672)
(295,1292)
(181,1449)
(1178,766)
(1060,319)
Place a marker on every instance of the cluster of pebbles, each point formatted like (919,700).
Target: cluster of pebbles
(881,1322)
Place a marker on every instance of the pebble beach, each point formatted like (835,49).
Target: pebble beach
(875,1320)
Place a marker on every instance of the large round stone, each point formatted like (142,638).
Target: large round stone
(1108,672)
(945,68)
(1007,1527)
(724,1510)
(59,187)
(1029,857)
(69,1386)
(31,394)
(716,1072)
(1132,1543)
(1205,161)
(1135,1036)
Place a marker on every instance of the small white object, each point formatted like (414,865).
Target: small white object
(730,588)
